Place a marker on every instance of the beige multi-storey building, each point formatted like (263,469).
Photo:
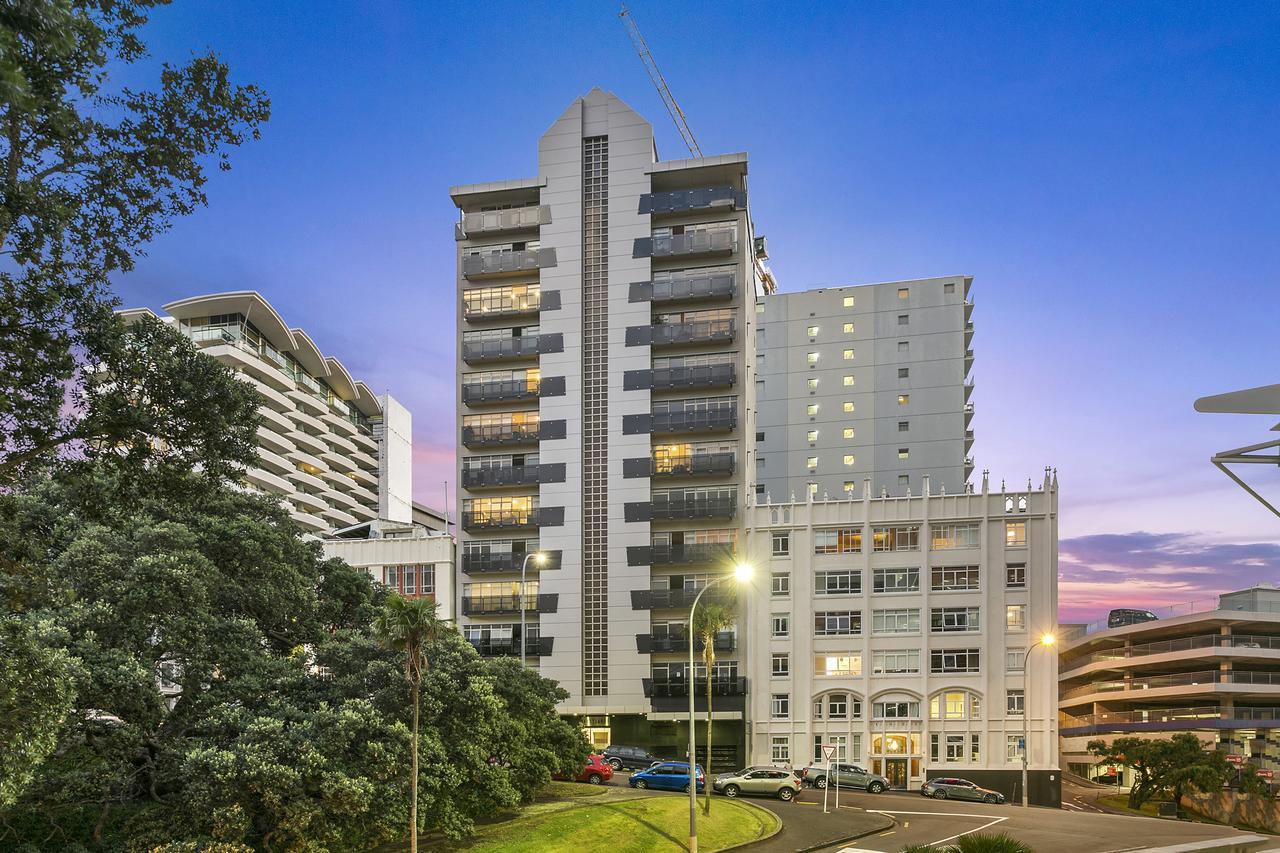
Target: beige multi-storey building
(335,452)
(903,631)
(606,350)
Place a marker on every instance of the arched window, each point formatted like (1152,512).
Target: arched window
(955,705)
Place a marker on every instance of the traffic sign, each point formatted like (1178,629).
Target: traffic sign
(828,751)
(1266,774)
(1235,759)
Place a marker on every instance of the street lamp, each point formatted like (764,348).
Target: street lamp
(541,559)
(742,574)
(1046,641)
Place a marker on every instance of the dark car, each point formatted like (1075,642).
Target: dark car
(959,789)
(1127,616)
(846,776)
(667,776)
(596,772)
(629,758)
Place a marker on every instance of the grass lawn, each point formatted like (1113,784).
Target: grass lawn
(584,817)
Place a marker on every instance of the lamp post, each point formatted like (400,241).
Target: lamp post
(1046,641)
(742,574)
(541,559)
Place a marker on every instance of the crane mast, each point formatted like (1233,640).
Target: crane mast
(659,82)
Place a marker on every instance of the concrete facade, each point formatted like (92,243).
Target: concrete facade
(866,381)
(897,629)
(410,558)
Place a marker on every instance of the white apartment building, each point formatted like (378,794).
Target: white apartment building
(867,381)
(335,452)
(897,628)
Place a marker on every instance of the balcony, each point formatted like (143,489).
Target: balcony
(512,519)
(484,563)
(673,696)
(672,599)
(683,201)
(694,333)
(694,465)
(502,221)
(1167,719)
(504,391)
(681,423)
(495,309)
(685,555)
(1205,680)
(497,605)
(500,436)
(681,378)
(513,475)
(687,287)
(725,641)
(493,264)
(507,349)
(1248,645)
(719,242)
(674,509)
(534,647)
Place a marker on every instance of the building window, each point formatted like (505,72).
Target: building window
(780,708)
(895,710)
(1013,703)
(812,384)
(781,543)
(1013,659)
(850,486)
(1015,617)
(954,578)
(848,328)
(812,331)
(1013,748)
(904,480)
(955,748)
(904,452)
(848,355)
(838,706)
(817,715)
(1015,576)
(759,436)
(848,302)
(781,665)
(904,319)
(949,287)
(953,620)
(840,540)
(904,399)
(812,358)
(411,580)
(955,705)
(844,582)
(895,580)
(811,410)
(837,665)
(899,538)
(1015,534)
(904,346)
(953,661)
(904,426)
(895,662)
(780,750)
(965,534)
(904,373)
(904,292)
(849,458)
(811,463)
(904,620)
(781,584)
(812,489)
(849,382)
(781,625)
(811,436)
(837,623)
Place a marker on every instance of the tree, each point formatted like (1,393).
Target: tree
(88,176)
(709,621)
(36,691)
(410,626)
(1171,766)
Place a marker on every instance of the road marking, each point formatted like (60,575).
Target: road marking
(989,823)
(890,832)
(1067,805)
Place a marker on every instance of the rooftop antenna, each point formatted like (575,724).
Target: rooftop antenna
(659,82)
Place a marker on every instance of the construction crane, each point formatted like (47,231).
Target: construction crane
(659,83)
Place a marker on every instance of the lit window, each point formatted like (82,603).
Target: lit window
(1015,534)
(812,489)
(812,383)
(811,435)
(904,452)
(849,485)
(812,358)
(904,292)
(849,381)
(1015,617)
(904,399)
(848,328)
(848,459)
(848,406)
(811,409)
(812,331)
(811,463)
(848,355)
(848,302)
(848,432)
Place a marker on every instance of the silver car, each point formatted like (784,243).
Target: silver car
(959,789)
(846,776)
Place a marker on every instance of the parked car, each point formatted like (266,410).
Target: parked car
(629,758)
(846,776)
(596,772)
(1127,616)
(771,781)
(959,789)
(667,776)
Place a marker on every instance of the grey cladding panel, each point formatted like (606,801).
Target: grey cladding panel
(551,516)
(551,472)
(643,248)
(637,380)
(639,336)
(641,291)
(635,424)
(640,467)
(638,555)
(551,341)
(549,300)
(551,430)
(638,511)
(551,386)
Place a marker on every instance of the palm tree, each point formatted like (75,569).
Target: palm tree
(707,622)
(410,626)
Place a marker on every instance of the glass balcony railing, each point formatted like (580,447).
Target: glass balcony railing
(725,641)
(659,599)
(507,348)
(695,332)
(492,605)
(510,647)
(692,284)
(701,420)
(500,391)
(671,509)
(509,261)
(504,561)
(499,435)
(656,688)
(499,221)
(509,475)
(696,376)
(662,554)
(694,465)
(500,519)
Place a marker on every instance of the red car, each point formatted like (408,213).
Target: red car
(597,772)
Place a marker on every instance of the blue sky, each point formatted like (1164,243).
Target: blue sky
(1107,172)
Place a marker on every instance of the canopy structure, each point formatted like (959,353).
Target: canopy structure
(1251,401)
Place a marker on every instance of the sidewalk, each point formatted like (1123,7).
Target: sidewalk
(805,827)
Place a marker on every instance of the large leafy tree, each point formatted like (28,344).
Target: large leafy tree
(533,740)
(35,696)
(1164,766)
(89,173)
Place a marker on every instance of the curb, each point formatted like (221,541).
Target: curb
(781,824)
(888,823)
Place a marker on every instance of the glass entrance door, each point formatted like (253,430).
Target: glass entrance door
(895,770)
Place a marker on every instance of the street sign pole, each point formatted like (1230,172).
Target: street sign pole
(828,751)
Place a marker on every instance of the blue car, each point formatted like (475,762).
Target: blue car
(667,776)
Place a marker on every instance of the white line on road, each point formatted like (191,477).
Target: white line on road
(991,822)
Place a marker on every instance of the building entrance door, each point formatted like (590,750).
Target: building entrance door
(895,770)
(598,737)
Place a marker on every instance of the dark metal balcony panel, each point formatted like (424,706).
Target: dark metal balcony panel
(499,221)
(640,467)
(551,386)
(697,376)
(637,511)
(696,243)
(494,605)
(697,332)
(673,510)
(474,564)
(637,555)
(551,516)
(550,342)
(715,420)
(500,392)
(551,472)
(686,288)
(550,300)
(640,291)
(501,520)
(692,554)
(697,464)
(509,348)
(529,306)
(548,602)
(552,430)
(534,647)
(500,436)
(637,380)
(503,263)
(672,599)
(513,475)
(637,424)
(673,696)
(648,644)
(705,198)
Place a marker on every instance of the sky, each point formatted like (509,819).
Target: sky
(1109,173)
